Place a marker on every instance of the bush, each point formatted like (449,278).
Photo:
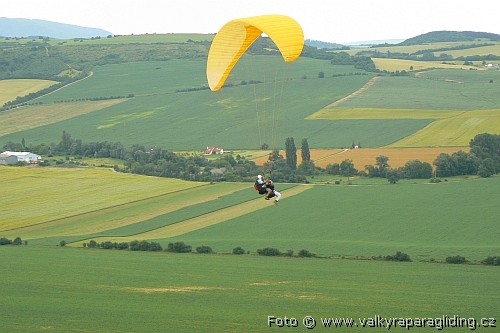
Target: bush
(399,256)
(62,243)
(122,246)
(92,244)
(238,250)
(204,249)
(495,261)
(305,254)
(268,251)
(455,260)
(5,241)
(107,245)
(179,247)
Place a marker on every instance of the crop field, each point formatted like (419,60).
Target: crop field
(128,292)
(72,288)
(168,116)
(367,156)
(474,49)
(11,89)
(349,226)
(25,118)
(454,131)
(398,157)
(389,110)
(162,209)
(54,193)
(392,65)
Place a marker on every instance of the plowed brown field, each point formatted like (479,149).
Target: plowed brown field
(366,156)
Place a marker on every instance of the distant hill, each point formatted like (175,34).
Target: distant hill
(20,27)
(324,45)
(450,36)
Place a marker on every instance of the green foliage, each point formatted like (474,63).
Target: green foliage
(399,256)
(5,241)
(269,251)
(204,249)
(455,260)
(486,147)
(494,261)
(238,250)
(416,169)
(179,247)
(291,153)
(16,241)
(304,151)
(305,254)
(393,176)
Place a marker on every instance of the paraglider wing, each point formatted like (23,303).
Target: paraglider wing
(236,36)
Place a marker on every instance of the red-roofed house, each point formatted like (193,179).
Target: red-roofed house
(213,150)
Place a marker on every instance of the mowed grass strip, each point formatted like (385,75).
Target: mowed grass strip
(454,131)
(33,116)
(208,219)
(378,113)
(11,89)
(54,193)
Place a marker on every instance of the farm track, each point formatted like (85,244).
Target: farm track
(367,85)
(208,219)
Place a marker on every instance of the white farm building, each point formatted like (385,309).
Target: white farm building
(13,157)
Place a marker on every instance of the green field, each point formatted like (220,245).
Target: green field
(232,119)
(352,221)
(350,228)
(61,290)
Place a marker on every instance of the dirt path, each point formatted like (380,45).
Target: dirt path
(367,85)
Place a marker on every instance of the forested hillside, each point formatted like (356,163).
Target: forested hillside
(450,36)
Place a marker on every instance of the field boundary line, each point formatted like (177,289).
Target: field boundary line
(207,219)
(106,208)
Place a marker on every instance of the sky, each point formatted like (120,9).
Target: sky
(336,21)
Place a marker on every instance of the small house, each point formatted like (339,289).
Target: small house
(213,150)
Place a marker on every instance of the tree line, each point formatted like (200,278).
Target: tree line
(482,160)
(182,247)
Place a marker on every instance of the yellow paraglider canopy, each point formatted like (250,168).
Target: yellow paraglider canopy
(236,36)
